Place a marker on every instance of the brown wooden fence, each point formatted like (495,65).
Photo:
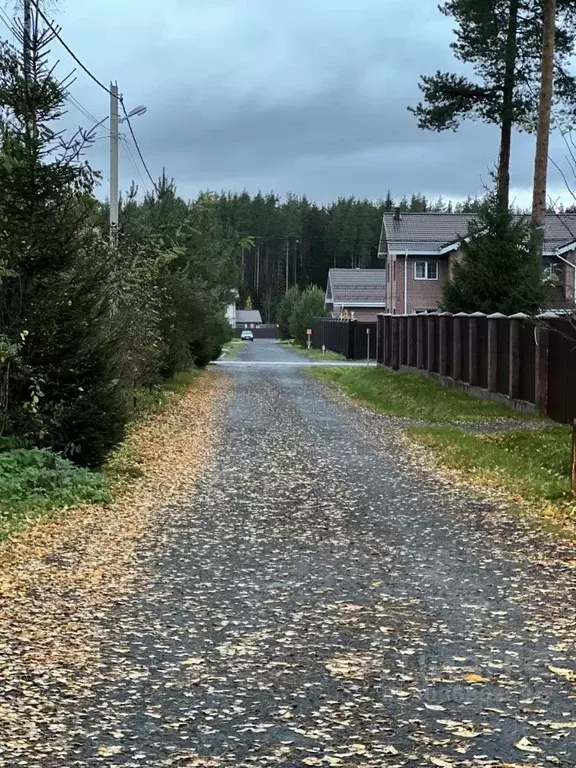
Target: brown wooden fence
(351,338)
(529,361)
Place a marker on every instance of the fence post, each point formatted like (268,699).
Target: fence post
(457,346)
(419,341)
(401,337)
(388,340)
(541,368)
(473,347)
(432,340)
(515,361)
(379,324)
(351,340)
(443,342)
(493,350)
(395,361)
(410,346)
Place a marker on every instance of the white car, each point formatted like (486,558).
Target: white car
(247,336)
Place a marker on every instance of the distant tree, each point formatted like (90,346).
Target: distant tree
(499,270)
(249,305)
(309,305)
(388,202)
(285,310)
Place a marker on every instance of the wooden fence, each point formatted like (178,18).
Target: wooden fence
(260,332)
(529,361)
(351,338)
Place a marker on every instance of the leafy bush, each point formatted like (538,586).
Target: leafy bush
(309,305)
(39,480)
(213,334)
(285,310)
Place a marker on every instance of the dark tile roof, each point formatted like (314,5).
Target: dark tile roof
(434,231)
(357,286)
(248,316)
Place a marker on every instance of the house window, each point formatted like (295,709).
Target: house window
(426,270)
(427,311)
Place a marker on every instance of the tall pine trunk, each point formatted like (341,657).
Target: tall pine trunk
(503,179)
(544,116)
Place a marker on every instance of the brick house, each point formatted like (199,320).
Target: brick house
(421,248)
(358,293)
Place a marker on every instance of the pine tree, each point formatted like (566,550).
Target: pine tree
(502,40)
(499,270)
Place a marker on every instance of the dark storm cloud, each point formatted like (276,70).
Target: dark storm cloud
(301,95)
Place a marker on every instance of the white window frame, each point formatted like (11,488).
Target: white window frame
(426,270)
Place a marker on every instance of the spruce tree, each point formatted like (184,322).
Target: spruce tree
(499,270)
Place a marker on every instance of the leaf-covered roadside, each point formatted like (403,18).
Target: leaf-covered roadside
(58,580)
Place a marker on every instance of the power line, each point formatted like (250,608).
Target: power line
(128,152)
(7,21)
(56,32)
(87,114)
(137,145)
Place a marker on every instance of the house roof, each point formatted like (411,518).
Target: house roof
(356,286)
(248,316)
(438,233)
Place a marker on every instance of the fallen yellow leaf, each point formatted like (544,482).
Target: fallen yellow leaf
(569,674)
(475,679)
(526,746)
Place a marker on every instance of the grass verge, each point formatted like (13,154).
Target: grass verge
(531,465)
(34,482)
(412,396)
(233,348)
(317,354)
(150,400)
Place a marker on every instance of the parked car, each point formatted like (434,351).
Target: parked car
(247,336)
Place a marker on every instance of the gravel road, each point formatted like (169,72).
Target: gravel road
(322,599)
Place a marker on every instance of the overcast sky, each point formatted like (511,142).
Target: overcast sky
(307,96)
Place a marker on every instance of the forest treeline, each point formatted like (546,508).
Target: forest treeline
(294,242)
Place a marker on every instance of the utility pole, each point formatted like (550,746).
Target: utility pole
(114,122)
(296,262)
(287,262)
(543,133)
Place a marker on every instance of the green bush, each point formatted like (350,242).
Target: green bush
(33,481)
(309,305)
(207,346)
(285,310)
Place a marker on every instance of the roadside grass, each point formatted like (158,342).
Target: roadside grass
(530,465)
(317,354)
(233,348)
(412,396)
(150,400)
(36,483)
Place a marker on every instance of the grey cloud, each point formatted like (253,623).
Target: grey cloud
(308,95)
